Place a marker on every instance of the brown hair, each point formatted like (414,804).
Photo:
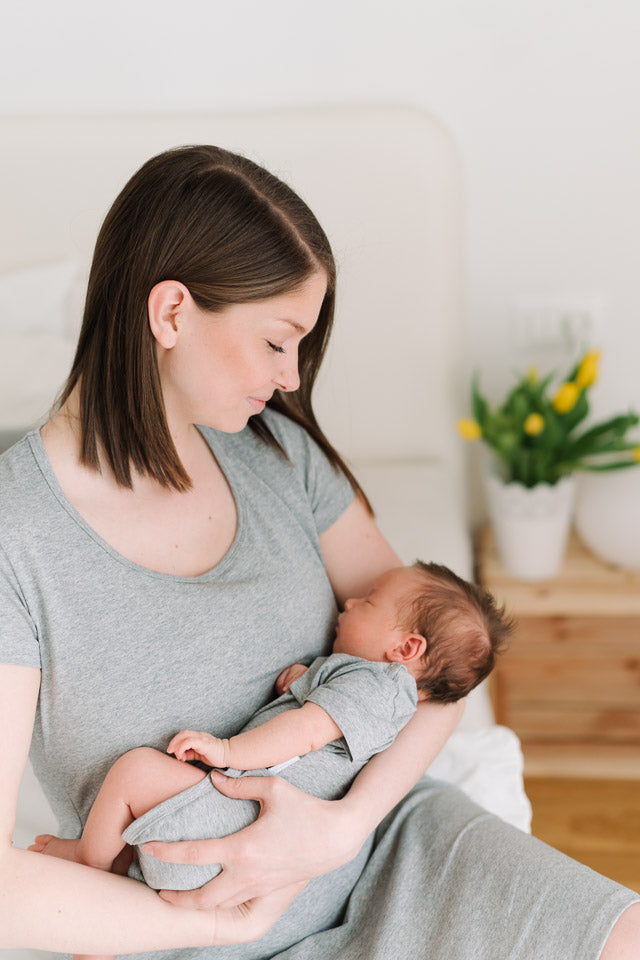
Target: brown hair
(464,628)
(231,232)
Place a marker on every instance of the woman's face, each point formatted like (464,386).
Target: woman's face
(226,365)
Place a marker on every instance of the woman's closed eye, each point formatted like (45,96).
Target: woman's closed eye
(276,348)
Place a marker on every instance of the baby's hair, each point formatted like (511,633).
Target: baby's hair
(464,627)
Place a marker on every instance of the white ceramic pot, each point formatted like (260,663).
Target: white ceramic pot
(608,515)
(531,525)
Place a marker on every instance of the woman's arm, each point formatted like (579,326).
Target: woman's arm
(389,775)
(321,835)
(52,904)
(355,553)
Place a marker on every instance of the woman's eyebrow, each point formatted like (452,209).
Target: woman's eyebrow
(293,323)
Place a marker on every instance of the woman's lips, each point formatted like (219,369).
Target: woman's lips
(257,404)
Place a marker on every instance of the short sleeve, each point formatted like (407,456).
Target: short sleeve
(328,490)
(18,635)
(370,702)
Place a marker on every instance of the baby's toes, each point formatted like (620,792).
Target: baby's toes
(41,842)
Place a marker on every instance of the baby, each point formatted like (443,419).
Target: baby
(420,633)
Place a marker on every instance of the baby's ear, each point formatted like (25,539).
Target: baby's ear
(411,647)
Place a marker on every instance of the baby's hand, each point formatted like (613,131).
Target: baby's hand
(194,745)
(288,675)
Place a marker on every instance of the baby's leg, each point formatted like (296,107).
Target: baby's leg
(138,781)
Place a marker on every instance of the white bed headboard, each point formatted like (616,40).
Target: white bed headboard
(383,181)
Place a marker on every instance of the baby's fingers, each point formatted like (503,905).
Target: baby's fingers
(182,741)
(286,678)
(281,683)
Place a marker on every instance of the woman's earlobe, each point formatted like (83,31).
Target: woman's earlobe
(164,304)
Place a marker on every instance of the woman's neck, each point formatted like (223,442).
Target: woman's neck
(62,438)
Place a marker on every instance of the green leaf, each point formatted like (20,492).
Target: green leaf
(610,465)
(617,426)
(478,403)
(579,412)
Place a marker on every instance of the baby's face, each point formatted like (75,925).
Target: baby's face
(369,626)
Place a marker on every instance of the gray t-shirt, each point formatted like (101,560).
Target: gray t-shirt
(130,656)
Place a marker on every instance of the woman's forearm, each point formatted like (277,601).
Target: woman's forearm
(52,904)
(389,776)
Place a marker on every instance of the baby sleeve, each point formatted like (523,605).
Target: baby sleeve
(370,702)
(18,635)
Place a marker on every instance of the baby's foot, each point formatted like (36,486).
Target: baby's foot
(56,847)
(92,956)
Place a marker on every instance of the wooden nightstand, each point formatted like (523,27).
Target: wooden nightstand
(570,683)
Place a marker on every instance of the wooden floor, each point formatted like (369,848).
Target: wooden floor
(594,821)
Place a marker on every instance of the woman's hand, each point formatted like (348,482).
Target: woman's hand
(253,919)
(296,837)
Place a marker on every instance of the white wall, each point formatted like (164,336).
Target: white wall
(542,96)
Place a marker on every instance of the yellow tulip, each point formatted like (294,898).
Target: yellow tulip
(588,369)
(566,397)
(534,424)
(636,454)
(532,374)
(469,429)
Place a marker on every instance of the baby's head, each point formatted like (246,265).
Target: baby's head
(444,630)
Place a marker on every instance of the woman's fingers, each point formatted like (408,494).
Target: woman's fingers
(287,844)
(246,788)
(187,851)
(224,891)
(216,850)
(253,919)
(189,899)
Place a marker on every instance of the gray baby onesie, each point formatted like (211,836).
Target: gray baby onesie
(370,702)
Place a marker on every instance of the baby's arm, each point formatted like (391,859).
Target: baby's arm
(289,734)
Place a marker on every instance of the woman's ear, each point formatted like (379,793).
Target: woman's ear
(411,647)
(164,304)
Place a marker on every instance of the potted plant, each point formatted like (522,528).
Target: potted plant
(538,440)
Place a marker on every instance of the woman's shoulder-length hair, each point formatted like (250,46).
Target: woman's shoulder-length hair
(231,232)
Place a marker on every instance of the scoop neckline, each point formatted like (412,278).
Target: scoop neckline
(42,459)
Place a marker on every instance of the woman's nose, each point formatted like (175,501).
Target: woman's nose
(288,377)
(350,603)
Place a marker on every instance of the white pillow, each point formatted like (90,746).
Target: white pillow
(39,300)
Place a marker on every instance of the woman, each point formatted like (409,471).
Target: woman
(154,573)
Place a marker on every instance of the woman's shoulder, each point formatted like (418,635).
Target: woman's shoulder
(19,471)
(23,494)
